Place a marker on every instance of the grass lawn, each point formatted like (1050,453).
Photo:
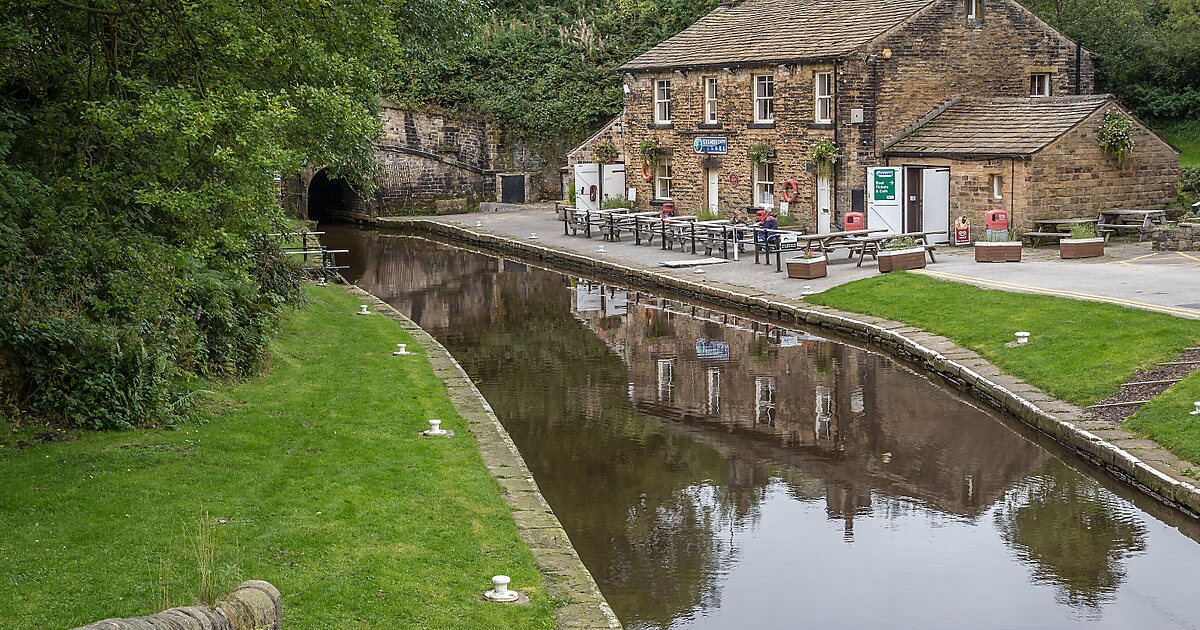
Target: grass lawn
(1165,420)
(312,477)
(1186,137)
(1079,351)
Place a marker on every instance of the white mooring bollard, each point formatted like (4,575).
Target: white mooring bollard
(1196,411)
(435,430)
(533,236)
(1022,337)
(401,350)
(479,224)
(362,310)
(501,593)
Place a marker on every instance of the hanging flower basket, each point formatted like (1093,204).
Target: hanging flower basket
(651,152)
(824,155)
(761,153)
(1116,135)
(605,152)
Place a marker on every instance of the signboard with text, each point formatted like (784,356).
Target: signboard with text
(710,146)
(883,185)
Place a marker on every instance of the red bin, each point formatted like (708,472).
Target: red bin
(996,219)
(668,209)
(856,221)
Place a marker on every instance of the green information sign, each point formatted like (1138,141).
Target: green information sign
(883,184)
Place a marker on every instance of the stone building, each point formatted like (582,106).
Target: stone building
(786,75)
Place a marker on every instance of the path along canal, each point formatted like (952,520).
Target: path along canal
(714,471)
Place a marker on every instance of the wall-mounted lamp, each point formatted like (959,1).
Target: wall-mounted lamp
(887,53)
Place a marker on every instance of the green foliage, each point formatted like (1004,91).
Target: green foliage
(1116,135)
(761,152)
(824,155)
(138,147)
(1185,135)
(611,203)
(1166,419)
(1083,231)
(651,152)
(544,71)
(93,525)
(905,242)
(1081,351)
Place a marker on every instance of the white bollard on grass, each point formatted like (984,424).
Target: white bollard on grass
(501,592)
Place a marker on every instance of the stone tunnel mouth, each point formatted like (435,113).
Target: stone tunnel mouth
(329,198)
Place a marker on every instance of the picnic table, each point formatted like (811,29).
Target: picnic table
(1117,219)
(575,220)
(868,244)
(1049,228)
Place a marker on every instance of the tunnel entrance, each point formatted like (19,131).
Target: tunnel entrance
(329,198)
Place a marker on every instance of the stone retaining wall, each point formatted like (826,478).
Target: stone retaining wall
(255,605)
(1106,444)
(1184,237)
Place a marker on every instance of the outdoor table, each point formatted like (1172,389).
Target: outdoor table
(830,241)
(678,226)
(874,243)
(1117,219)
(1049,228)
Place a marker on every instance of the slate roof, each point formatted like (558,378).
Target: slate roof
(776,31)
(997,126)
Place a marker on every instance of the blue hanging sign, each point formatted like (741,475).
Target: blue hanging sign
(711,146)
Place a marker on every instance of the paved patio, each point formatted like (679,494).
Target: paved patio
(1130,274)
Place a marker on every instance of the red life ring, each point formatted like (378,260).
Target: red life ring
(647,170)
(790,190)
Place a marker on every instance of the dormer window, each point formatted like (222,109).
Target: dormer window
(662,102)
(1039,84)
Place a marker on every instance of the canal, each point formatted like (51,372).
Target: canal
(714,471)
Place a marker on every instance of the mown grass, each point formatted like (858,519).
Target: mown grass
(1166,420)
(1079,351)
(1186,137)
(312,477)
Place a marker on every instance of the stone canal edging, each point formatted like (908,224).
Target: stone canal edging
(1133,459)
(565,575)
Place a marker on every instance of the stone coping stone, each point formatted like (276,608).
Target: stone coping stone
(1067,424)
(565,575)
(255,605)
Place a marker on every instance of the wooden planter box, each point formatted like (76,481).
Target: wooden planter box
(1004,251)
(806,268)
(901,259)
(1081,247)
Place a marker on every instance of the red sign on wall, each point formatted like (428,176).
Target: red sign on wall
(733,179)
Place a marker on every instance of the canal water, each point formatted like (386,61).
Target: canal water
(718,472)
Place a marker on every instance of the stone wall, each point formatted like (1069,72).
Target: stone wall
(1074,177)
(971,193)
(255,605)
(1184,237)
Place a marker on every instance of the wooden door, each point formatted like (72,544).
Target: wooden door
(913,198)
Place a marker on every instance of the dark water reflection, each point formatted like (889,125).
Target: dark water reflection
(715,472)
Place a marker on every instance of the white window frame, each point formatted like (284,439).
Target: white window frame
(764,185)
(710,100)
(972,9)
(764,103)
(997,186)
(662,179)
(714,391)
(764,400)
(823,80)
(666,380)
(1039,85)
(662,101)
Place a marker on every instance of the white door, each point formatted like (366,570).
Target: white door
(935,207)
(824,212)
(614,181)
(714,181)
(883,199)
(587,186)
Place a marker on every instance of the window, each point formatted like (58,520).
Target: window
(1039,84)
(764,99)
(823,84)
(764,185)
(710,100)
(972,9)
(662,102)
(997,186)
(662,180)
(666,380)
(764,400)
(714,390)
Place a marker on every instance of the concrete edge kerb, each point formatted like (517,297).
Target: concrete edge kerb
(1176,492)
(565,575)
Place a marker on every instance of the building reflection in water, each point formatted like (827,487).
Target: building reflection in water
(670,439)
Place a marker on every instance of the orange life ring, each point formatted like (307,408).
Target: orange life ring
(647,170)
(790,190)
